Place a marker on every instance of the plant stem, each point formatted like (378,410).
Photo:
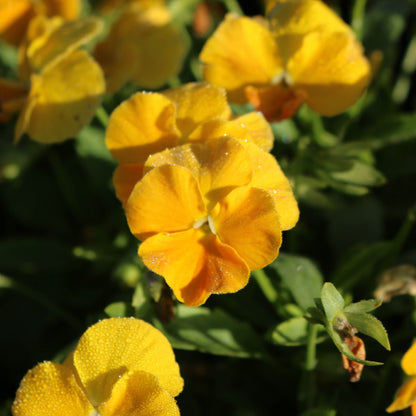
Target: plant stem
(358,12)
(308,385)
(266,287)
(233,6)
(102,116)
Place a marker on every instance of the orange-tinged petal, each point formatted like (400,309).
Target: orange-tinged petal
(12,98)
(247,220)
(125,178)
(197,103)
(268,175)
(116,346)
(409,361)
(142,125)
(68,9)
(167,199)
(330,71)
(276,102)
(304,16)
(260,131)
(50,389)
(67,95)
(139,394)
(154,69)
(405,397)
(15,17)
(54,45)
(219,165)
(241,52)
(195,264)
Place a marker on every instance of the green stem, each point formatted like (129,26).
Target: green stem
(308,385)
(266,287)
(358,12)
(233,6)
(8,283)
(102,116)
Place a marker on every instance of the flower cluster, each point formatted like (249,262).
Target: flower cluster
(212,206)
(121,366)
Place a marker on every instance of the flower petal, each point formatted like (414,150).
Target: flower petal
(68,9)
(15,17)
(67,95)
(124,180)
(409,361)
(50,389)
(242,51)
(142,125)
(268,175)
(330,71)
(139,394)
(405,397)
(219,165)
(247,220)
(113,347)
(194,264)
(197,103)
(167,199)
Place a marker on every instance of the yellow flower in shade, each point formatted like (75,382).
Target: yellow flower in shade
(143,46)
(121,366)
(148,123)
(303,53)
(208,213)
(60,86)
(406,396)
(17,14)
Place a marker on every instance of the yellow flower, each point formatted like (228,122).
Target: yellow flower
(17,14)
(303,53)
(148,123)
(406,396)
(60,86)
(143,46)
(208,213)
(121,366)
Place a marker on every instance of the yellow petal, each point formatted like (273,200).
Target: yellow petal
(67,95)
(68,9)
(219,165)
(167,199)
(54,45)
(139,394)
(241,52)
(195,264)
(142,125)
(304,16)
(116,346)
(405,397)
(12,98)
(268,175)
(330,71)
(50,389)
(247,220)
(15,17)
(125,178)
(409,361)
(260,131)
(154,69)
(197,103)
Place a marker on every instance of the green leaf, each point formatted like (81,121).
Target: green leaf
(363,306)
(360,174)
(316,316)
(320,412)
(212,331)
(332,301)
(369,325)
(118,310)
(301,277)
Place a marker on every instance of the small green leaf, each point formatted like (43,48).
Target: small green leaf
(360,174)
(332,301)
(363,306)
(301,277)
(315,315)
(118,310)
(369,325)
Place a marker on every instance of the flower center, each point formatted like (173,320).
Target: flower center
(206,223)
(283,77)
(95,413)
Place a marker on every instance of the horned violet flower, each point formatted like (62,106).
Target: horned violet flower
(17,14)
(143,46)
(60,85)
(121,366)
(208,213)
(406,396)
(148,123)
(303,53)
